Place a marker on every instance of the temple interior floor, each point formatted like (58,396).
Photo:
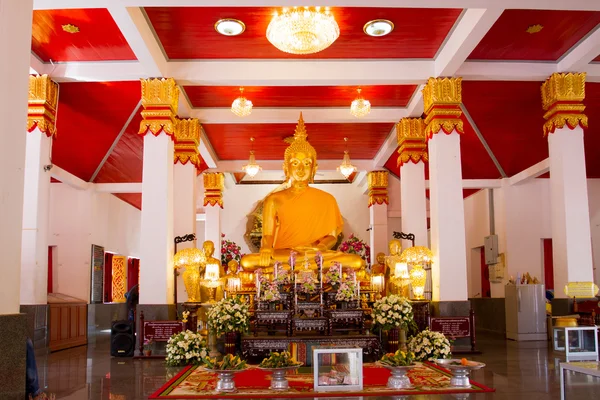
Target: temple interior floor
(522,370)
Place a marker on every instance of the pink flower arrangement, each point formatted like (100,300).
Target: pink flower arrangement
(356,246)
(230,251)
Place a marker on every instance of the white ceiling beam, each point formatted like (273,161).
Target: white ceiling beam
(518,4)
(476,183)
(206,151)
(100,71)
(530,173)
(506,71)
(37,65)
(582,54)
(466,35)
(593,72)
(69,179)
(414,109)
(290,115)
(139,36)
(300,72)
(277,165)
(135,187)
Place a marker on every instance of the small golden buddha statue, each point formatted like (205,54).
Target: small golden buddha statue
(395,248)
(300,218)
(209,249)
(379,268)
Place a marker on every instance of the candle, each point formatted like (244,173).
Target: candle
(212,272)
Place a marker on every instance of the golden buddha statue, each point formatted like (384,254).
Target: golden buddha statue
(379,268)
(395,248)
(300,218)
(209,248)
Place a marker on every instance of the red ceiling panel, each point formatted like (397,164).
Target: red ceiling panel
(90,116)
(135,199)
(508,39)
(509,116)
(232,141)
(300,96)
(597,59)
(591,137)
(124,164)
(98,39)
(188,33)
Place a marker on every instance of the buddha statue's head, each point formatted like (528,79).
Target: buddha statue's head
(380,258)
(209,248)
(395,247)
(300,158)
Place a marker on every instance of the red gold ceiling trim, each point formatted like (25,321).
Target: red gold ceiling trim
(412,141)
(187,140)
(160,98)
(442,98)
(562,96)
(43,98)
(214,183)
(378,184)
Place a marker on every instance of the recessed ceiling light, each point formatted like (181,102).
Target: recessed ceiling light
(230,27)
(378,27)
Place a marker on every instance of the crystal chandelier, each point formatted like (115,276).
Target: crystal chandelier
(302,30)
(242,107)
(360,107)
(252,168)
(346,168)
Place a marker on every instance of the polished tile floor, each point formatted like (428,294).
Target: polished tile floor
(518,371)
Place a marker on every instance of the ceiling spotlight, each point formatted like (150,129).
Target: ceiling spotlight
(230,27)
(378,27)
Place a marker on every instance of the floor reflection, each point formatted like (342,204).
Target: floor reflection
(518,370)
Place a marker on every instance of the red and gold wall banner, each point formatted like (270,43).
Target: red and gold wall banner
(378,184)
(160,99)
(119,278)
(441,99)
(43,98)
(411,140)
(187,140)
(562,96)
(214,183)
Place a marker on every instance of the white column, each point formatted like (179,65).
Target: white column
(447,212)
(184,190)
(34,251)
(571,238)
(156,239)
(379,230)
(15,45)
(414,202)
(212,226)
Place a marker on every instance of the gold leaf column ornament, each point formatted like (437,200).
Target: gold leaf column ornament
(378,184)
(214,183)
(160,98)
(411,140)
(43,98)
(187,140)
(441,99)
(562,96)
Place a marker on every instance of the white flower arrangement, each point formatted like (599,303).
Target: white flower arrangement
(229,315)
(393,312)
(186,348)
(429,346)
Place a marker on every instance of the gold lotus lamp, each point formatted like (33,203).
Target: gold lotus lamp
(242,107)
(346,168)
(360,107)
(191,259)
(416,256)
(303,30)
(252,168)
(211,280)
(378,284)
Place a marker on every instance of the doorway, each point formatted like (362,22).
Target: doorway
(548,264)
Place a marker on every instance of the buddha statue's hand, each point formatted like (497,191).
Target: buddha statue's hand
(265,255)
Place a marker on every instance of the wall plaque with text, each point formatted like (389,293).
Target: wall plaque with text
(582,290)
(452,326)
(161,331)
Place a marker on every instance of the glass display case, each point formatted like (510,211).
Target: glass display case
(337,369)
(578,343)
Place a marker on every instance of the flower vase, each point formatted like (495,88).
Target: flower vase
(392,343)
(344,305)
(230,342)
(402,340)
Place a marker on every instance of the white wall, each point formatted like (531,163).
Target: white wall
(477,226)
(240,200)
(79,219)
(594,201)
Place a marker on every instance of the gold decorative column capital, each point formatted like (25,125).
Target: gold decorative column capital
(187,140)
(214,183)
(43,99)
(160,99)
(442,98)
(562,97)
(411,140)
(378,184)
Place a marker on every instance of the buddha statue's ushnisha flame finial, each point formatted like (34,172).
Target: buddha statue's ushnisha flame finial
(300,144)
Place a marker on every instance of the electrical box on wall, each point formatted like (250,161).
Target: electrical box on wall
(490,244)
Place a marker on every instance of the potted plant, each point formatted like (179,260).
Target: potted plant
(229,316)
(430,346)
(148,347)
(278,364)
(399,363)
(185,348)
(394,314)
(225,369)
